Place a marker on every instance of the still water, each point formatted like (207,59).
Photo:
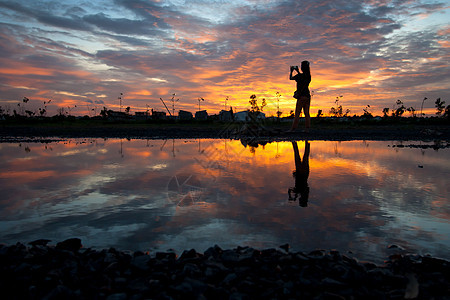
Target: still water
(155,195)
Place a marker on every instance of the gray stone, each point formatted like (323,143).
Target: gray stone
(118,296)
(141,262)
(229,278)
(230,256)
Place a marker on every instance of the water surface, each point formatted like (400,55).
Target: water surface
(180,194)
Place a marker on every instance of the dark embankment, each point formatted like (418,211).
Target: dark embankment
(67,271)
(321,130)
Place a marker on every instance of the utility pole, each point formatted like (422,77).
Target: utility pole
(120,102)
(173,104)
(200,99)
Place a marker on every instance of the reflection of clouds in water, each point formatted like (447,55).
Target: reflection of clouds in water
(361,199)
(136,219)
(224,233)
(157,167)
(349,185)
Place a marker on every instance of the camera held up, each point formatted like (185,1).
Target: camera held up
(294,67)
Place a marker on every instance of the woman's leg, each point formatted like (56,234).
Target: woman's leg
(298,110)
(307,116)
(305,103)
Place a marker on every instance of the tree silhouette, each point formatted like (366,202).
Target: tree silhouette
(400,109)
(412,110)
(367,113)
(279,113)
(255,108)
(440,106)
(338,110)
(421,107)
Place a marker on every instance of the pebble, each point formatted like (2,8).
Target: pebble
(68,271)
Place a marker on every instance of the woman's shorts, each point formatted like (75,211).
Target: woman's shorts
(304,100)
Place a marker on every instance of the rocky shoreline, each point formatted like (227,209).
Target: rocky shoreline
(69,271)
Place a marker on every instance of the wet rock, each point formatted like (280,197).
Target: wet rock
(120,281)
(141,262)
(217,293)
(191,269)
(229,278)
(73,244)
(197,285)
(237,296)
(214,252)
(285,247)
(211,272)
(301,257)
(246,255)
(332,296)
(230,256)
(166,255)
(412,288)
(39,242)
(118,296)
(435,263)
(191,254)
(317,254)
(43,271)
(329,282)
(216,265)
(138,285)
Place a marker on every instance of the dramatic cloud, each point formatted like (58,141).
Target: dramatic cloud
(371,52)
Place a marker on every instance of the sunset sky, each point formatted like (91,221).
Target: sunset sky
(86,53)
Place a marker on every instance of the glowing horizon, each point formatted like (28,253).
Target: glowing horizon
(87,54)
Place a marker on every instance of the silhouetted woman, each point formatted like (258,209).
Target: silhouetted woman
(302,94)
(301,175)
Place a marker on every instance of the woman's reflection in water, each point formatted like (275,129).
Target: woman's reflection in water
(301,174)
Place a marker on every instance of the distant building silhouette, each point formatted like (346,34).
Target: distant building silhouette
(201,115)
(185,115)
(142,115)
(158,115)
(225,115)
(117,115)
(244,116)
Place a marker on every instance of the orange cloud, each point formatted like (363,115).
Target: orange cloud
(25,70)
